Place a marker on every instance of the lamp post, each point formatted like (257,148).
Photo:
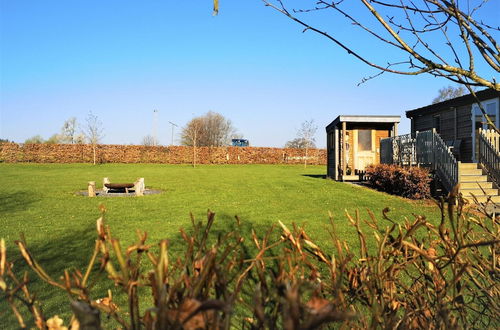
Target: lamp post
(155,127)
(172,124)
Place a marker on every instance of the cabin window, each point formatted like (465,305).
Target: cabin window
(436,123)
(364,140)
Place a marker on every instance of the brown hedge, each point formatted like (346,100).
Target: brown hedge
(82,153)
(409,182)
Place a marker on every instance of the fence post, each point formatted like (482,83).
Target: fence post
(417,149)
(479,145)
(433,157)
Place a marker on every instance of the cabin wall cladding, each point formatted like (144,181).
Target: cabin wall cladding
(82,153)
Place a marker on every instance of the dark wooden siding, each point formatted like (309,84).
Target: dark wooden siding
(464,132)
(422,123)
(448,122)
(331,154)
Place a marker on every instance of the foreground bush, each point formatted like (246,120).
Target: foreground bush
(414,276)
(408,182)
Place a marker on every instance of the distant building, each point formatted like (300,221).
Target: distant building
(240,143)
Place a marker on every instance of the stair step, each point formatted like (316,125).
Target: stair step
(474,185)
(484,198)
(471,171)
(477,191)
(468,166)
(473,178)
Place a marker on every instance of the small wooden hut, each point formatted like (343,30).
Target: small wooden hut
(353,143)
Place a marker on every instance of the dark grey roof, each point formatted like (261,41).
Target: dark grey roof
(485,94)
(364,119)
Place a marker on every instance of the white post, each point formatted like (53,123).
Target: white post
(479,144)
(91,188)
(139,187)
(104,181)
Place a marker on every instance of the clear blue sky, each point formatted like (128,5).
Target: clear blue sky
(122,59)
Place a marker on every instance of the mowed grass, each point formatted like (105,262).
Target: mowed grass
(39,200)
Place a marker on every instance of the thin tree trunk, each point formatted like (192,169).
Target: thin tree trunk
(194,154)
(305,159)
(94,150)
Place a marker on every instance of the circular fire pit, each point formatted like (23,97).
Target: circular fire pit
(119,193)
(109,189)
(119,185)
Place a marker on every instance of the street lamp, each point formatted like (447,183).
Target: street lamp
(173,131)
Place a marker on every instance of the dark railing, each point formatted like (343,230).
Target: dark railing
(424,147)
(428,149)
(445,164)
(398,150)
(489,153)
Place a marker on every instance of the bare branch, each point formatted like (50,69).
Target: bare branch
(411,26)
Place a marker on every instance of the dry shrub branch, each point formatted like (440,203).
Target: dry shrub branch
(405,275)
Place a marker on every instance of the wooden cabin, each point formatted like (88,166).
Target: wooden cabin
(353,143)
(458,121)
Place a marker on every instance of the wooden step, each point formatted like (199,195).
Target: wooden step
(471,171)
(477,191)
(484,198)
(468,166)
(473,178)
(474,185)
(353,177)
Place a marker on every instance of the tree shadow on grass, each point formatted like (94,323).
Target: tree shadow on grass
(73,248)
(70,249)
(315,176)
(223,224)
(16,201)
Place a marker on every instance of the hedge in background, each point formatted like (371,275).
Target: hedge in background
(409,182)
(83,153)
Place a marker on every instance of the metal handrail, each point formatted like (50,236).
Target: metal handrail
(427,148)
(398,150)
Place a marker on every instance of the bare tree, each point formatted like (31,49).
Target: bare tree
(411,27)
(214,131)
(448,93)
(217,130)
(94,132)
(191,133)
(305,135)
(149,141)
(299,143)
(68,131)
(445,38)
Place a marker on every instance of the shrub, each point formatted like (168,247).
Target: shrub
(414,276)
(408,182)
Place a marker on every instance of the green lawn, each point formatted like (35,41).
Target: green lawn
(39,200)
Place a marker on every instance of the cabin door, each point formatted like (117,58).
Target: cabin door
(364,148)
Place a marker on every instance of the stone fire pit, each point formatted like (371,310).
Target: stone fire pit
(110,189)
